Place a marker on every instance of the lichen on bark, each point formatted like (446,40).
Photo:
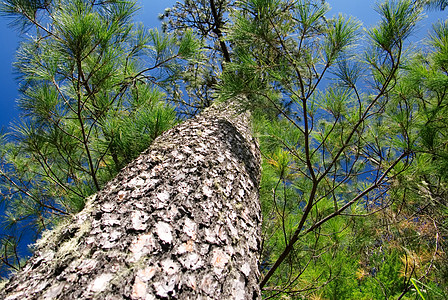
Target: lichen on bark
(180,222)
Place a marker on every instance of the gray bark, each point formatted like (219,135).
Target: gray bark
(180,222)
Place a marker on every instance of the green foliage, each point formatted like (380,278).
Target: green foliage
(207,21)
(423,88)
(353,136)
(335,138)
(92,98)
(434,4)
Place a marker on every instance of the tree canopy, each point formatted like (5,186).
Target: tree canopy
(352,130)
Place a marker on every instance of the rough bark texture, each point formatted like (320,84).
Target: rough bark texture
(180,222)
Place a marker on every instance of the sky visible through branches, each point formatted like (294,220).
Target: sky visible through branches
(362,10)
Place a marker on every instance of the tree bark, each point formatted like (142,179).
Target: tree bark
(180,222)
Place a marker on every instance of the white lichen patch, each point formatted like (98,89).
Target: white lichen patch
(192,261)
(164,232)
(145,175)
(190,228)
(252,241)
(177,155)
(242,251)
(197,158)
(41,286)
(219,260)
(111,219)
(53,292)
(187,150)
(16,296)
(221,158)
(166,287)
(245,269)
(87,265)
(48,255)
(170,267)
(208,191)
(90,240)
(163,196)
(115,235)
(140,204)
(208,131)
(72,278)
(107,244)
(139,220)
(238,289)
(136,182)
(142,245)
(139,289)
(147,273)
(186,247)
(202,148)
(180,175)
(100,283)
(108,207)
(210,236)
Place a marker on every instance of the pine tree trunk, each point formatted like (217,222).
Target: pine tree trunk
(180,222)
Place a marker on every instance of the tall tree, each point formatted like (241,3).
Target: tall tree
(194,195)
(182,222)
(335,139)
(214,247)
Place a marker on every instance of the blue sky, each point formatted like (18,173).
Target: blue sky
(361,9)
(10,41)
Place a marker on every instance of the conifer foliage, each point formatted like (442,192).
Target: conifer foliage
(91,97)
(351,123)
(337,140)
